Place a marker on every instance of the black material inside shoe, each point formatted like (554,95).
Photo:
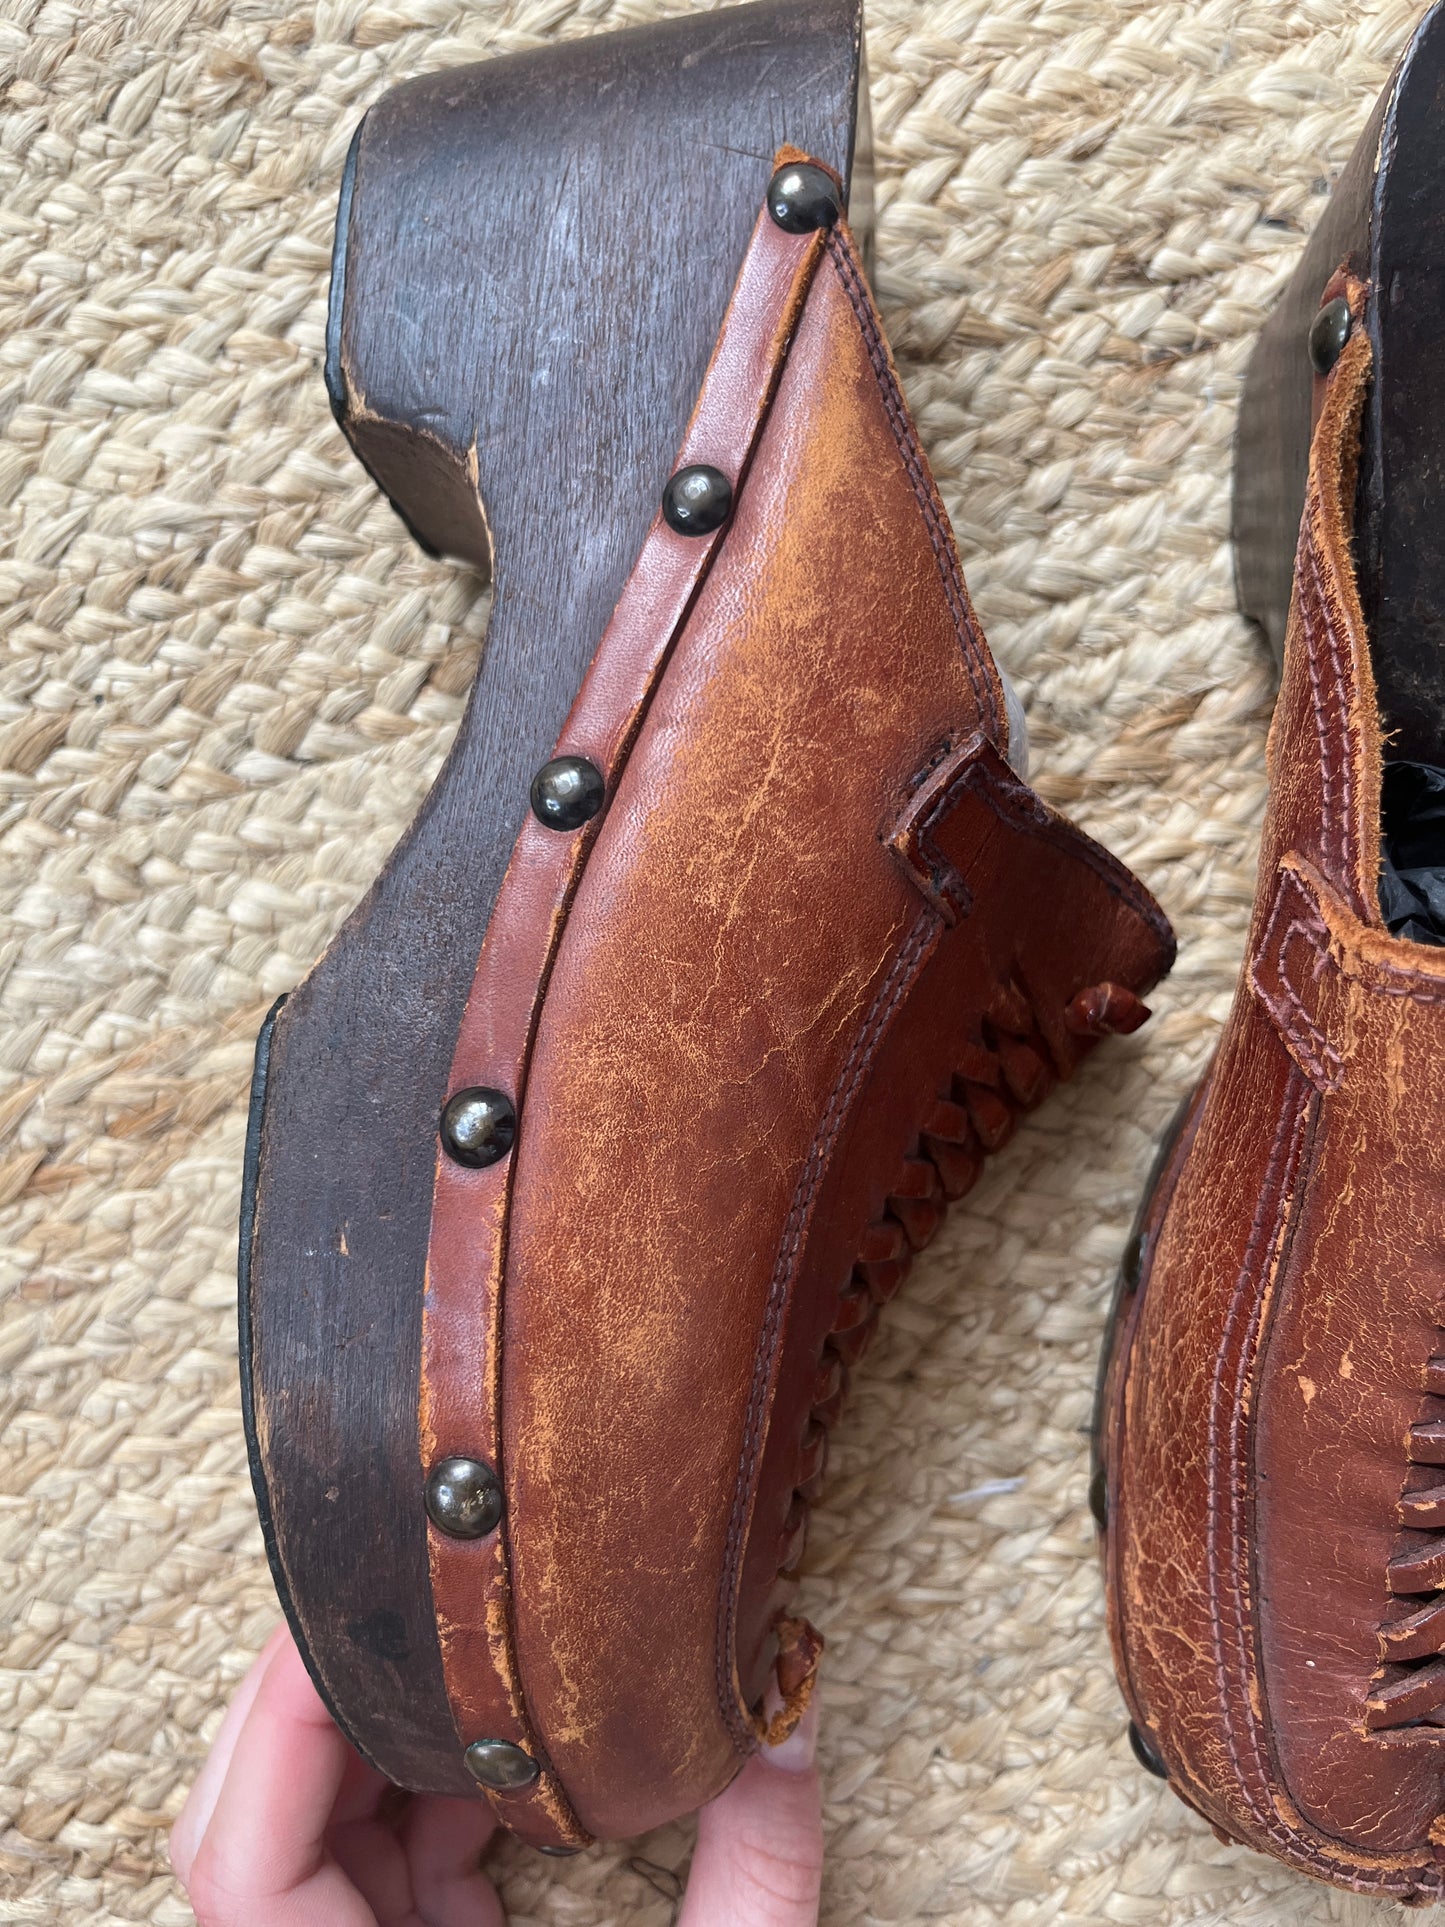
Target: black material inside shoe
(1385,224)
(1412,851)
(1400,509)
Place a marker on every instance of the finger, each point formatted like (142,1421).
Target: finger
(265,1845)
(195,1815)
(759,1856)
(363,1789)
(371,1857)
(444,1840)
(423,1864)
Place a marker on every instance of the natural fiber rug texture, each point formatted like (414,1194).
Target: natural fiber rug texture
(228,679)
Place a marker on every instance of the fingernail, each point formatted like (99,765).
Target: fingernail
(796,1753)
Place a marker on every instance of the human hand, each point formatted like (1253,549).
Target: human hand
(287,1827)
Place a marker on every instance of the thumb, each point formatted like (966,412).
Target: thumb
(759,1857)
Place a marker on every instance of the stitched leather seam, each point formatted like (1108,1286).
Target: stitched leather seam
(1367,981)
(1269,976)
(1342,736)
(890,994)
(1225,1409)
(1334,822)
(905,436)
(1321,1060)
(1325,544)
(1334,728)
(1367,972)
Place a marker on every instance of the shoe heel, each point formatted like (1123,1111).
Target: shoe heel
(532,261)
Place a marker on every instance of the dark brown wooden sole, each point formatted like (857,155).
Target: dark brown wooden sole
(533,260)
(1386,221)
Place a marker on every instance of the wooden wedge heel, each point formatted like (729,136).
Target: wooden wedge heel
(727,945)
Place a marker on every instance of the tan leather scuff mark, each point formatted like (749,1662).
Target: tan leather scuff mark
(430,1446)
(800,1650)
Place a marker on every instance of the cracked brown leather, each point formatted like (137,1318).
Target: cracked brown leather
(1274,1544)
(762,1019)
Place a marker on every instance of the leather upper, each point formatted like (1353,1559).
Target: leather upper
(1273,1588)
(762,1020)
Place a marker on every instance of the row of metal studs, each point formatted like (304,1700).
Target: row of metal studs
(479,1125)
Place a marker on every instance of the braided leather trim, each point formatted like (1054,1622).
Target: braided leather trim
(1408,1700)
(973,1114)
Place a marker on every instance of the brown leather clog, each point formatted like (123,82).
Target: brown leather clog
(583,1162)
(1272,1423)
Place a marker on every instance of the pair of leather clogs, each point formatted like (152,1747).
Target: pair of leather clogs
(732,939)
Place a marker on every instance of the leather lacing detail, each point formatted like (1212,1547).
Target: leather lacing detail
(1410,1693)
(1006,1072)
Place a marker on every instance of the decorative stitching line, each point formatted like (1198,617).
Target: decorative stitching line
(1304,1038)
(1365,971)
(1368,972)
(890,994)
(1322,1061)
(1268,1234)
(1367,977)
(1314,617)
(905,436)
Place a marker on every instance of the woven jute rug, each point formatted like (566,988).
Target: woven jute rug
(228,678)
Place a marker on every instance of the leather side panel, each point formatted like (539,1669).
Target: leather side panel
(735,965)
(734,923)
(1180,1499)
